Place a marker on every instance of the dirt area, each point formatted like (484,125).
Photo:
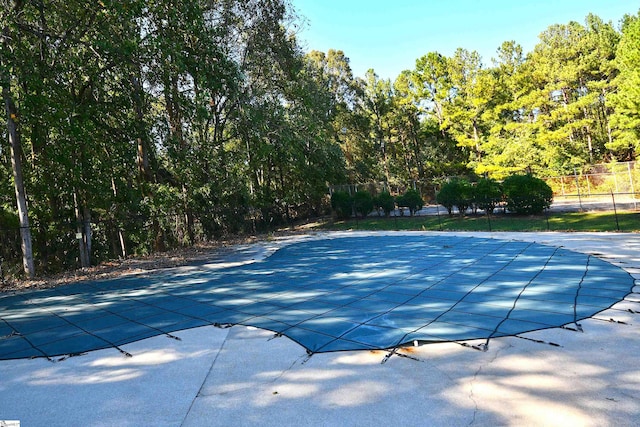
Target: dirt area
(139,265)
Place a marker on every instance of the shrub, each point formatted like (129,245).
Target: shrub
(411,200)
(362,203)
(385,201)
(526,194)
(447,196)
(465,196)
(8,218)
(341,203)
(458,193)
(487,194)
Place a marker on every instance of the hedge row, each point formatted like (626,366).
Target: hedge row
(362,203)
(521,194)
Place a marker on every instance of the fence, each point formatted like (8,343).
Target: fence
(595,212)
(618,178)
(605,188)
(596,180)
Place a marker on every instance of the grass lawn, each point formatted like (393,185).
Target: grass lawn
(583,221)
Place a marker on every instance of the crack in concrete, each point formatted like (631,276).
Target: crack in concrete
(473,380)
(204,381)
(284,371)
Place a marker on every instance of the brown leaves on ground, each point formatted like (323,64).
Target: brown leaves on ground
(134,265)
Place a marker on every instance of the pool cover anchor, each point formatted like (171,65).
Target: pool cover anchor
(394,352)
(390,353)
(612,320)
(485,346)
(66,356)
(276,335)
(125,353)
(307,357)
(551,343)
(222,325)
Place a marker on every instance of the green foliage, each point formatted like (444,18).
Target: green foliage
(165,128)
(162,126)
(625,119)
(455,193)
(591,221)
(411,200)
(487,193)
(10,237)
(8,218)
(526,194)
(447,196)
(386,202)
(362,203)
(342,204)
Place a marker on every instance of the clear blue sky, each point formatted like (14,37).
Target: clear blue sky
(390,35)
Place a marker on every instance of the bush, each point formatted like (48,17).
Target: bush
(447,196)
(341,203)
(487,194)
(465,196)
(411,200)
(363,203)
(526,194)
(8,218)
(458,193)
(385,201)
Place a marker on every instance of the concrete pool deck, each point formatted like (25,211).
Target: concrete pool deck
(243,376)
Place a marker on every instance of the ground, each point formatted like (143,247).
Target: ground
(245,376)
(133,265)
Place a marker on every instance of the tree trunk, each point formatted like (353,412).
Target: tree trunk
(118,230)
(605,117)
(88,233)
(476,139)
(188,216)
(142,159)
(85,261)
(21,198)
(416,151)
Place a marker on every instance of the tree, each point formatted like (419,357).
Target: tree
(433,86)
(464,115)
(7,70)
(408,162)
(377,105)
(510,145)
(626,101)
(21,198)
(572,70)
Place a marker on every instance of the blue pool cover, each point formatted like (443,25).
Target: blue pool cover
(346,293)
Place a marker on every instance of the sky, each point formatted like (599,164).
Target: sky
(389,35)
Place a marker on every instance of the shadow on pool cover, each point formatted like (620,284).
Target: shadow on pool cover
(347,293)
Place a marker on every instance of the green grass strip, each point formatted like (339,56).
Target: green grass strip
(584,221)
